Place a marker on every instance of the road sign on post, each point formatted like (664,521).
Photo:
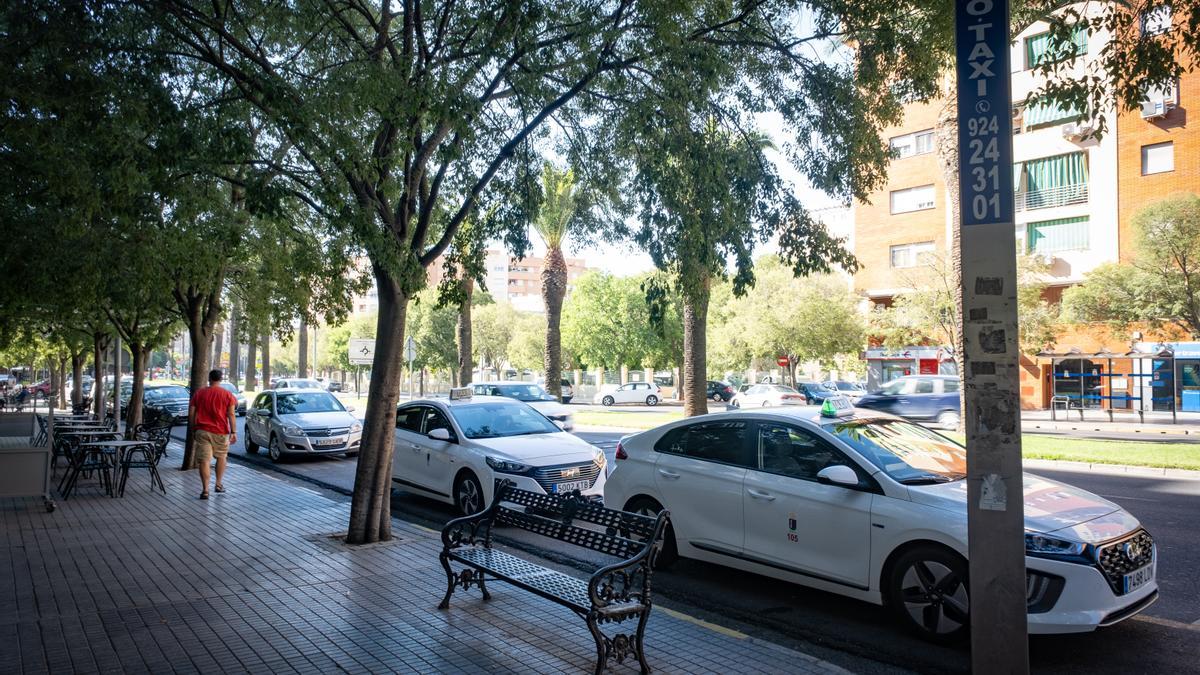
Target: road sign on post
(362,351)
(410,355)
(995,508)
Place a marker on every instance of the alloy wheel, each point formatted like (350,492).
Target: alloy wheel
(469,496)
(935,597)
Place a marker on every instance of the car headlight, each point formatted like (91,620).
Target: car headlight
(506,466)
(355,428)
(1041,544)
(599,459)
(291,430)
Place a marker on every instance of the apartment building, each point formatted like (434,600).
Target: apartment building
(518,282)
(1075,195)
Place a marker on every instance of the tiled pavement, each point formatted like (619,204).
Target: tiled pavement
(253,581)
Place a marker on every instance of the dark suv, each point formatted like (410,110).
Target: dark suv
(719,391)
(931,398)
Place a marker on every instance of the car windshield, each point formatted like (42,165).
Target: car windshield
(304,384)
(230,388)
(894,387)
(317,401)
(909,453)
(521,392)
(163,393)
(780,387)
(499,420)
(849,386)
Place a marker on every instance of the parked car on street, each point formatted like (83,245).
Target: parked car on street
(167,403)
(301,422)
(40,390)
(930,398)
(456,449)
(237,393)
(873,507)
(333,386)
(534,395)
(568,390)
(847,388)
(297,383)
(766,395)
(719,391)
(633,392)
(814,392)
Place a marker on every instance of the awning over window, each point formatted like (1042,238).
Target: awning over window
(1049,113)
(1038,48)
(1062,234)
(1055,172)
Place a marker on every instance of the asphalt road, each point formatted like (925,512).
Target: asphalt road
(862,637)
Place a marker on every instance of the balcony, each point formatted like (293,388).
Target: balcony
(1050,197)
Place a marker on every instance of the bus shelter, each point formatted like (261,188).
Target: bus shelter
(1130,382)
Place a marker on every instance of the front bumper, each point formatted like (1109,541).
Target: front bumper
(324,445)
(534,484)
(1087,601)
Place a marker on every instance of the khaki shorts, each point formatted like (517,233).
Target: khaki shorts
(209,445)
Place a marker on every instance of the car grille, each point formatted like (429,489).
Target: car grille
(321,433)
(1119,558)
(548,476)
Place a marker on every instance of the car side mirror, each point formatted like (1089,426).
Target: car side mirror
(560,424)
(838,474)
(440,434)
(262,412)
(350,408)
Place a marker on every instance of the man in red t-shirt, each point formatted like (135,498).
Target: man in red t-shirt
(212,417)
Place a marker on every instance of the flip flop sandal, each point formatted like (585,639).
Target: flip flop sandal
(220,488)
(203,495)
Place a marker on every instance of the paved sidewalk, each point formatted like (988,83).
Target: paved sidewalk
(254,580)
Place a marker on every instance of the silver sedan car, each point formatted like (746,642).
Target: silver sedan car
(301,422)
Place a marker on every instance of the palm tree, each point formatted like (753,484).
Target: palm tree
(553,223)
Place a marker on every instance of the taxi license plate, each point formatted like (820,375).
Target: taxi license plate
(329,441)
(571,485)
(1138,578)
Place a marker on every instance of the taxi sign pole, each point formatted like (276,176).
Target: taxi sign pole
(995,508)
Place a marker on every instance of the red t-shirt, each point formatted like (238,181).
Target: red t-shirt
(212,409)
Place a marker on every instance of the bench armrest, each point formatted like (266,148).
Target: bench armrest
(628,581)
(475,528)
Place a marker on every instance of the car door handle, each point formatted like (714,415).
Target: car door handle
(668,474)
(760,495)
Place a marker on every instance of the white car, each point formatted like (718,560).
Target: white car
(634,392)
(454,450)
(767,395)
(534,395)
(850,389)
(874,507)
(297,383)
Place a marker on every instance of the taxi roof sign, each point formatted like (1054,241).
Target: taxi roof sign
(837,406)
(460,393)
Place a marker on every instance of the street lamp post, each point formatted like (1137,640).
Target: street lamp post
(995,504)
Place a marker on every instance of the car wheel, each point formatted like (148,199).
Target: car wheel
(652,400)
(928,591)
(948,419)
(735,403)
(251,446)
(468,495)
(607,400)
(716,398)
(275,449)
(766,404)
(645,506)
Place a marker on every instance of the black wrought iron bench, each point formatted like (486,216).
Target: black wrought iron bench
(614,593)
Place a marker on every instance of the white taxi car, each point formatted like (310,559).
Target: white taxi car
(455,450)
(871,506)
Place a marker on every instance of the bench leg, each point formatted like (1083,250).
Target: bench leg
(601,643)
(639,641)
(450,579)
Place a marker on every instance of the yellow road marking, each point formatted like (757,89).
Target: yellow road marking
(1169,623)
(737,635)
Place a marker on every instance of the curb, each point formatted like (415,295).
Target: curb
(1111,469)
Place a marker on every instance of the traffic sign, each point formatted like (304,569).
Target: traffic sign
(362,351)
(782,361)
(410,349)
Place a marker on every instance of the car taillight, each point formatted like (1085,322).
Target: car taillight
(728,390)
(621,452)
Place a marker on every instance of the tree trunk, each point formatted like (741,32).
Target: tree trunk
(235,350)
(214,356)
(77,360)
(466,365)
(554,287)
(251,362)
(370,508)
(198,334)
(695,350)
(133,416)
(99,345)
(302,343)
(946,135)
(266,359)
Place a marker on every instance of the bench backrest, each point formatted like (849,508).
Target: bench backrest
(566,518)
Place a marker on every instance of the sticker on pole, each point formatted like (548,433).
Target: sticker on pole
(993,496)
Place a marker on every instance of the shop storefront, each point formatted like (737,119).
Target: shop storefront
(885,365)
